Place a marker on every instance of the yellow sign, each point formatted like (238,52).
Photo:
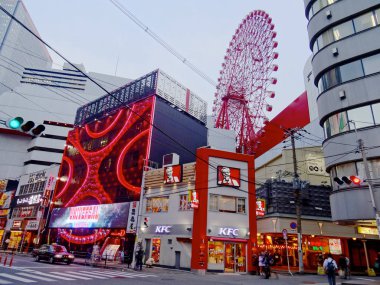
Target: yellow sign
(367,231)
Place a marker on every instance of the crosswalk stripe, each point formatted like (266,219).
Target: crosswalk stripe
(130,274)
(34,276)
(70,275)
(108,274)
(52,276)
(4,282)
(17,278)
(87,274)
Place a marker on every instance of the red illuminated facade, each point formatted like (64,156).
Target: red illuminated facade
(103,161)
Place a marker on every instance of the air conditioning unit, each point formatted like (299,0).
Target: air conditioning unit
(170,159)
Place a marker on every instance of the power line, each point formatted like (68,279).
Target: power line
(164,44)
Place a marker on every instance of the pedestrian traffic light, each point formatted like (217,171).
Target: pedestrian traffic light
(146,222)
(17,123)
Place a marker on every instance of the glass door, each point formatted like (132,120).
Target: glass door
(229,265)
(235,257)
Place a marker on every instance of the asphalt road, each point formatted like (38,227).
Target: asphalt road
(26,270)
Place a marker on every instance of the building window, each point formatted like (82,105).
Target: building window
(214,203)
(361,116)
(241,205)
(371,64)
(184,203)
(227,204)
(364,22)
(376,113)
(351,71)
(319,5)
(157,204)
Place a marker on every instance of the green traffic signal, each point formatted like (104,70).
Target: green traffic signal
(15,123)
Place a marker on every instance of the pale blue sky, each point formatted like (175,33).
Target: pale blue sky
(96,33)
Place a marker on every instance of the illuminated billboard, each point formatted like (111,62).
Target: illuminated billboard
(228,176)
(172,174)
(103,160)
(93,216)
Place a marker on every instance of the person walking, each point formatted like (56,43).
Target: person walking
(139,259)
(329,265)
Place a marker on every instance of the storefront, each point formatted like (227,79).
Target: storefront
(210,230)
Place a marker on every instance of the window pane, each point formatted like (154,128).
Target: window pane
(351,71)
(343,30)
(315,47)
(377,13)
(376,113)
(361,116)
(364,22)
(327,129)
(331,78)
(213,203)
(338,123)
(327,38)
(227,204)
(371,64)
(241,205)
(184,204)
(375,166)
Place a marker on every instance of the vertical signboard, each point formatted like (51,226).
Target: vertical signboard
(132,218)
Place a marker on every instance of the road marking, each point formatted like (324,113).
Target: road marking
(366,279)
(101,273)
(16,278)
(89,274)
(53,276)
(70,275)
(4,282)
(34,276)
(129,274)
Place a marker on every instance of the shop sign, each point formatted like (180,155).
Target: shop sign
(50,183)
(194,200)
(260,207)
(367,230)
(335,246)
(172,174)
(28,200)
(16,224)
(228,176)
(4,212)
(163,229)
(5,199)
(32,225)
(132,217)
(228,232)
(315,165)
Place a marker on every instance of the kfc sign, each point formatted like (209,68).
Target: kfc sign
(163,229)
(228,232)
(260,207)
(194,200)
(228,176)
(172,174)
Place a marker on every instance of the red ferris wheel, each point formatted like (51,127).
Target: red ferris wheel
(241,98)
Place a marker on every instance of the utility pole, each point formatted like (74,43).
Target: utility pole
(368,177)
(296,187)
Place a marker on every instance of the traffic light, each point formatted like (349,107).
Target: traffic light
(352,179)
(146,222)
(14,123)
(17,123)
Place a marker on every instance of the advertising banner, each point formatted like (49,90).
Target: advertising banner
(315,165)
(32,225)
(92,216)
(260,207)
(172,174)
(28,200)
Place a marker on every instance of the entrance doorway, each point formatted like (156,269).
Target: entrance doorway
(235,257)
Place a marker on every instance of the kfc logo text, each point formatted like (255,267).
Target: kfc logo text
(228,232)
(162,229)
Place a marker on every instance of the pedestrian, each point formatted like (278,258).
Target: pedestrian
(139,259)
(128,259)
(261,263)
(329,265)
(121,256)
